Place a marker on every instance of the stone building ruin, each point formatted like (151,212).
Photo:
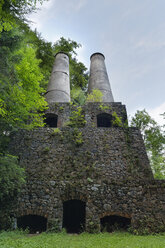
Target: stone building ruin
(91,177)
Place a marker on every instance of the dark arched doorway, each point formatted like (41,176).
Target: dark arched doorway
(104,120)
(114,222)
(51,120)
(34,223)
(74,216)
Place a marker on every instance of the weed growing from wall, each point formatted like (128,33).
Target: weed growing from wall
(55,131)
(116,121)
(104,107)
(77,118)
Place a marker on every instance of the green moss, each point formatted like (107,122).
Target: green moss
(61,108)
(46,149)
(56,104)
(90,180)
(104,107)
(55,131)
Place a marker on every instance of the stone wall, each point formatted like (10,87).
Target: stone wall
(108,169)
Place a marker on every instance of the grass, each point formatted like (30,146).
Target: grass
(62,240)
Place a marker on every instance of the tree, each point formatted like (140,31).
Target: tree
(21,95)
(13,10)
(95,96)
(12,177)
(78,71)
(154,139)
(45,51)
(21,106)
(78,96)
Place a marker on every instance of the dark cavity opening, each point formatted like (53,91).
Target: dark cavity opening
(104,120)
(114,222)
(51,120)
(74,216)
(34,223)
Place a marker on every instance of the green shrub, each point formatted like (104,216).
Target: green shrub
(95,96)
(117,121)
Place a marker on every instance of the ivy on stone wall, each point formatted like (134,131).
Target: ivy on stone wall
(76,118)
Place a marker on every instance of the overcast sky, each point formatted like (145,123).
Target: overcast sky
(131,35)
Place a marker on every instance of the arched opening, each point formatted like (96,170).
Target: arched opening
(104,120)
(51,120)
(34,223)
(114,222)
(74,216)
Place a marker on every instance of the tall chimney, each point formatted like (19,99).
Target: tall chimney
(98,78)
(59,85)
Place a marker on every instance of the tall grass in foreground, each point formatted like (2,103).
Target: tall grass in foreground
(84,240)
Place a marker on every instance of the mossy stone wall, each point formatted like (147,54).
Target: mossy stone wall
(108,169)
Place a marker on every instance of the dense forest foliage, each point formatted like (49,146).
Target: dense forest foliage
(26,61)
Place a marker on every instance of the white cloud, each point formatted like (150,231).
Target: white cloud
(79,4)
(54,11)
(156,113)
(81,56)
(42,14)
(150,44)
(152,40)
(70,6)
